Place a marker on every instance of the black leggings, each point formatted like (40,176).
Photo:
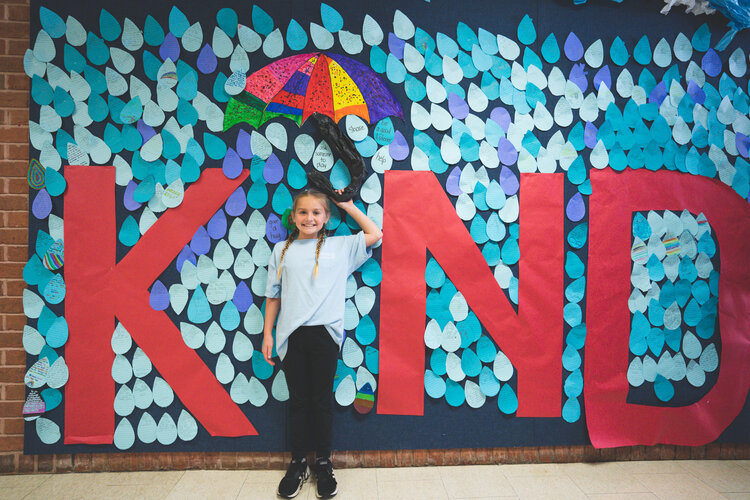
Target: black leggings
(310,366)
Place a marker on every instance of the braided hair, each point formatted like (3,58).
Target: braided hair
(294,234)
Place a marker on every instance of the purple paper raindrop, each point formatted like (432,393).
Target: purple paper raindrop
(573,47)
(697,94)
(242,298)
(243,145)
(576,209)
(457,106)
(396,45)
(217,226)
(508,181)
(578,76)
(42,205)
(159,298)
(589,135)
(185,255)
(273,172)
(743,142)
(236,203)
(398,149)
(506,152)
(147,132)
(201,243)
(711,63)
(127,199)
(206,60)
(603,76)
(232,164)
(501,116)
(659,93)
(170,48)
(275,230)
(452,183)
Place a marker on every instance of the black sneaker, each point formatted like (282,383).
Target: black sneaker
(327,486)
(295,477)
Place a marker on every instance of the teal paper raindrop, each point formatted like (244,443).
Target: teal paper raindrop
(332,20)
(52,23)
(507,401)
(282,199)
(199,310)
(227,20)
(663,388)
(365,332)
(618,52)
(571,411)
(257,195)
(96,50)
(73,60)
(262,22)
(129,233)
(261,368)
(109,28)
(229,317)
(526,31)
(574,268)
(178,23)
(296,37)
(153,34)
(550,49)
(454,393)
(642,51)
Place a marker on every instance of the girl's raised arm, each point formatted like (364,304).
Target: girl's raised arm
(373,234)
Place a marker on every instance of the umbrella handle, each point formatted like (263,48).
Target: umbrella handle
(342,147)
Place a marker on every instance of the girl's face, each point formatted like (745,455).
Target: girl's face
(309,216)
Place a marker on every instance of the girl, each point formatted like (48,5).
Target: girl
(306,288)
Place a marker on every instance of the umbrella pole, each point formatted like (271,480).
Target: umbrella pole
(343,148)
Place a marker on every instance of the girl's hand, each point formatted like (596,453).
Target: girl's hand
(343,205)
(268,349)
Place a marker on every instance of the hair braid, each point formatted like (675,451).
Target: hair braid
(289,239)
(321,239)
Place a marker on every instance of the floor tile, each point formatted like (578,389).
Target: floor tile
(20,486)
(653,466)
(407,474)
(408,490)
(164,478)
(559,487)
(622,496)
(737,496)
(208,484)
(475,481)
(518,470)
(602,477)
(721,475)
(684,486)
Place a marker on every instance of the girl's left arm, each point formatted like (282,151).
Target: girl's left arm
(373,234)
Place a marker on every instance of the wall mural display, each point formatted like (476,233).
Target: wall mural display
(562,191)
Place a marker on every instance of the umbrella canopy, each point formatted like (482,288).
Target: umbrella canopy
(303,84)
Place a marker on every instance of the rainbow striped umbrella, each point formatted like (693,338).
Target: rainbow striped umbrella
(303,84)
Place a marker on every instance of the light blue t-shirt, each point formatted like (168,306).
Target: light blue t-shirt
(308,301)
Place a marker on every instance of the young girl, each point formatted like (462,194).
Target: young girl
(306,289)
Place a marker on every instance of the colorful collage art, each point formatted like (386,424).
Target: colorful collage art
(562,190)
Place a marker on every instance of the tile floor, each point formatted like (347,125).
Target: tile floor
(688,479)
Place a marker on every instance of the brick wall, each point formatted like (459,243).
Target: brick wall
(14,159)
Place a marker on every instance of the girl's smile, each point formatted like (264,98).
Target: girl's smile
(310,217)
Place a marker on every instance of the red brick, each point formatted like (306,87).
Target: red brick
(16,253)
(14,98)
(179,461)
(574,453)
(16,47)
(727,451)
(404,458)
(14,288)
(14,202)
(11,443)
(211,461)
(278,461)
(11,339)
(452,457)
(82,462)
(122,462)
(14,392)
(244,460)
(11,64)
(623,453)
(530,455)
(356,458)
(229,461)
(17,12)
(16,117)
(11,305)
(63,463)
(467,456)
(499,455)
(259,461)
(682,453)
(435,457)
(7,463)
(607,454)
(45,463)
(14,236)
(17,152)
(483,455)
(546,454)
(26,463)
(11,29)
(14,375)
(420,458)
(14,81)
(99,462)
(11,408)
(591,454)
(148,461)
(14,322)
(742,452)
(20,134)
(371,458)
(12,426)
(387,458)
